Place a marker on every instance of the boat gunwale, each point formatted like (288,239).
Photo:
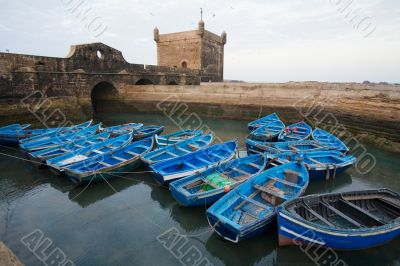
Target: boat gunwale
(367,231)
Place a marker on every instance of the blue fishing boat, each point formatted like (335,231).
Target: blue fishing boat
(255,147)
(195,162)
(344,221)
(17,133)
(42,156)
(250,209)
(14,137)
(178,149)
(296,132)
(175,137)
(207,187)
(263,120)
(14,127)
(115,162)
(328,139)
(147,131)
(123,129)
(268,132)
(54,131)
(59,139)
(57,164)
(320,164)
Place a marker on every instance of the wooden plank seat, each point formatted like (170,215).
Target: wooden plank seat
(105,164)
(251,200)
(240,177)
(171,154)
(131,153)
(194,184)
(97,151)
(269,190)
(240,171)
(204,160)
(315,161)
(218,156)
(293,148)
(190,165)
(388,207)
(317,215)
(119,158)
(142,146)
(365,212)
(255,165)
(194,147)
(183,150)
(290,184)
(339,213)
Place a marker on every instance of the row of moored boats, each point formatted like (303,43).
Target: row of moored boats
(247,194)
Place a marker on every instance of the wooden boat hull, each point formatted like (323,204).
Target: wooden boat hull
(59,163)
(268,132)
(260,122)
(322,173)
(296,132)
(104,175)
(179,149)
(164,177)
(98,169)
(63,130)
(330,164)
(328,139)
(257,147)
(250,209)
(294,230)
(228,232)
(43,155)
(167,179)
(59,139)
(147,131)
(176,137)
(195,196)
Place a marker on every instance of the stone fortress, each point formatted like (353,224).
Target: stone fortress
(197,49)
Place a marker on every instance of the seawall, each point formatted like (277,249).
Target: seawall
(371,112)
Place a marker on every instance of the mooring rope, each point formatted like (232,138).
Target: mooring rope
(20,158)
(150,220)
(112,174)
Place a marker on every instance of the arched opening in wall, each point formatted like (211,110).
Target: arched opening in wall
(172,82)
(104,96)
(184,64)
(144,81)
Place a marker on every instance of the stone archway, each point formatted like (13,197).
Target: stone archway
(102,96)
(144,81)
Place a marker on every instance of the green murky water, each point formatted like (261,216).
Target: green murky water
(118,223)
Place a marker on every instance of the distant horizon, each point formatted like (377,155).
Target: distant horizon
(283,41)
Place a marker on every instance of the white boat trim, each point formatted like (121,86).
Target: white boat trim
(301,236)
(362,234)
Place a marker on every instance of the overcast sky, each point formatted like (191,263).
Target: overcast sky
(268,40)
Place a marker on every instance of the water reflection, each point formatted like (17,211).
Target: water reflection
(190,219)
(86,195)
(340,182)
(161,194)
(261,249)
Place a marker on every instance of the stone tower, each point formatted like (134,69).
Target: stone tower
(197,49)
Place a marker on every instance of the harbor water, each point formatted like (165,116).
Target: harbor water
(131,220)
